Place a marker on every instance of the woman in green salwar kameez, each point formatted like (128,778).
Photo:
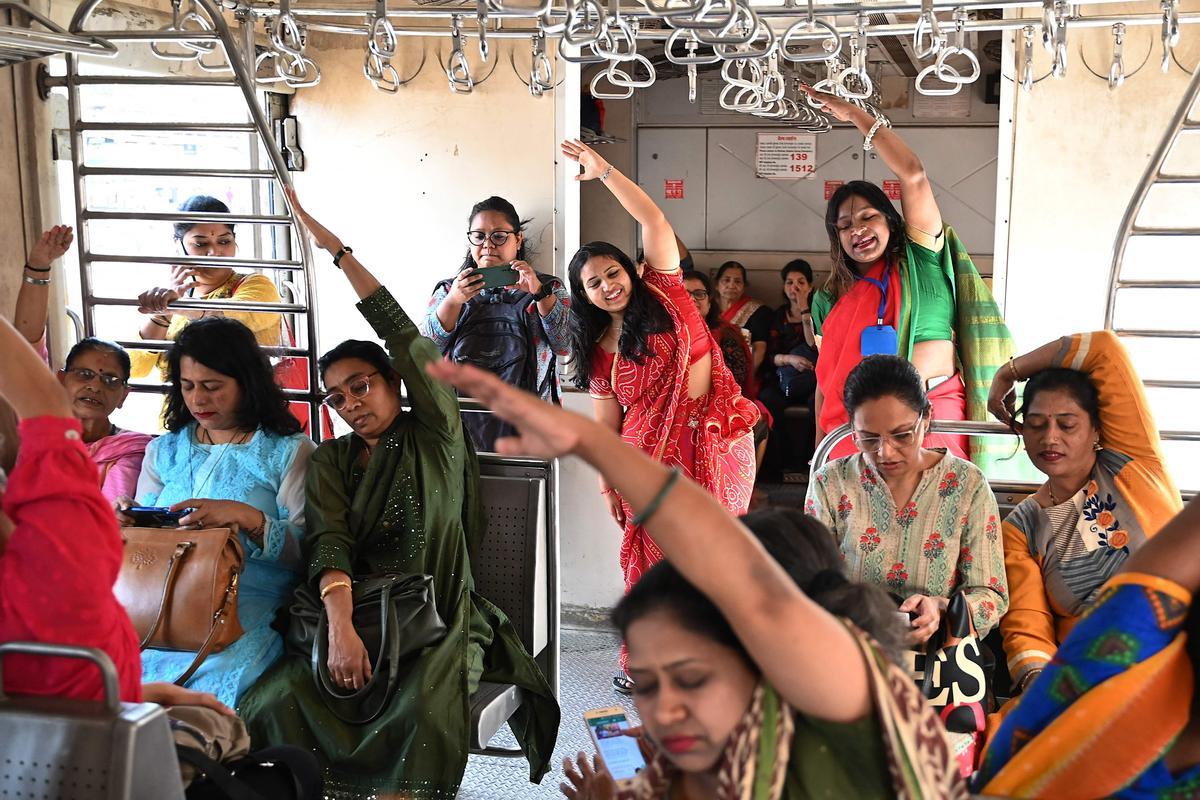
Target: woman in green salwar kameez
(398,495)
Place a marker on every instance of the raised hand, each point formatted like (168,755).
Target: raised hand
(543,430)
(51,246)
(593,165)
(1002,398)
(833,105)
(527,279)
(321,236)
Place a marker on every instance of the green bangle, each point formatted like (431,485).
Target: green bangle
(642,518)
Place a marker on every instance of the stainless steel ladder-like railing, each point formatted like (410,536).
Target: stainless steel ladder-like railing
(211,35)
(1180,128)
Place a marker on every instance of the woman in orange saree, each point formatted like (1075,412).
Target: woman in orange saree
(652,368)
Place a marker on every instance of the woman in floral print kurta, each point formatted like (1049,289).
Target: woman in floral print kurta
(942,537)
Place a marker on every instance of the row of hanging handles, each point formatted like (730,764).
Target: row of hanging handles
(705,32)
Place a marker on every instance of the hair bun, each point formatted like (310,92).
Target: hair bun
(824,581)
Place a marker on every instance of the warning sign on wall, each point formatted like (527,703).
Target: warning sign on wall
(892,189)
(673,189)
(831,187)
(786,156)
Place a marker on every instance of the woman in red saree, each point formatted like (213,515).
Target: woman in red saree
(652,367)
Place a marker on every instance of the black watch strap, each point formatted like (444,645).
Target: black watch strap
(337,257)
(544,292)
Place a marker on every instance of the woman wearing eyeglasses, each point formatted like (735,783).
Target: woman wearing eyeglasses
(398,495)
(528,318)
(921,523)
(96,379)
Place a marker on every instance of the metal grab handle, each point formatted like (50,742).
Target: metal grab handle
(625,93)
(743,18)
(1061,12)
(285,32)
(622,78)
(666,12)
(748,50)
(195,49)
(458,71)
(828,84)
(1170,31)
(943,72)
(1027,51)
(301,73)
(591,31)
(950,74)
(927,20)
(618,41)
(691,76)
(481,9)
(691,45)
(528,13)
(380,72)
(1116,70)
(541,72)
(108,672)
(382,41)
(831,44)
(581,58)
(699,21)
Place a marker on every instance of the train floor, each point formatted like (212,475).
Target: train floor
(587,666)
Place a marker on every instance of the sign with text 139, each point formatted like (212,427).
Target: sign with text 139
(786,156)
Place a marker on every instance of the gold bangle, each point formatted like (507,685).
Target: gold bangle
(1012,367)
(331,586)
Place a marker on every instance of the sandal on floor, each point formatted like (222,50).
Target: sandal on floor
(623,684)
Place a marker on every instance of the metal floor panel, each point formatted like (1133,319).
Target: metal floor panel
(589,662)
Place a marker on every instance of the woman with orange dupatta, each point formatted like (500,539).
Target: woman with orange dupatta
(655,374)
(1114,713)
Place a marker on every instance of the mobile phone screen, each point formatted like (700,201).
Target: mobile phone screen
(621,754)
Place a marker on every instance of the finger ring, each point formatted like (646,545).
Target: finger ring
(348,681)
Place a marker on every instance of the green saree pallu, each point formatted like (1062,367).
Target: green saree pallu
(413,509)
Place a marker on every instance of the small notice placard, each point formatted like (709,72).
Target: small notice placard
(786,156)
(673,189)
(831,187)
(892,189)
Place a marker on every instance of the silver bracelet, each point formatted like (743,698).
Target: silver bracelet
(36,281)
(607,172)
(880,121)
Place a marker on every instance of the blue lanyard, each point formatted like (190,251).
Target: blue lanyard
(883,287)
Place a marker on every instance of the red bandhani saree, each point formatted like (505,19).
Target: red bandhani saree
(708,438)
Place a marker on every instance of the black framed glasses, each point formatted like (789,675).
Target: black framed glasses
(497,238)
(86,375)
(359,387)
(871,442)
(699,294)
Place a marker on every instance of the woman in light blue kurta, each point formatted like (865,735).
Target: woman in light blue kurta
(235,457)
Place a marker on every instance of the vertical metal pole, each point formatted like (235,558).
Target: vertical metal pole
(83,243)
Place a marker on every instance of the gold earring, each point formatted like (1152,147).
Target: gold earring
(1096,446)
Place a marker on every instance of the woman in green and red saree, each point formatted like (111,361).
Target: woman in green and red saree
(1116,712)
(903,285)
(747,685)
(398,495)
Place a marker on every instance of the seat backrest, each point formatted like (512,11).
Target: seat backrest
(511,567)
(62,749)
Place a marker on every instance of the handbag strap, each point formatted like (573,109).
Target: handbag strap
(210,640)
(181,550)
(386,661)
(216,773)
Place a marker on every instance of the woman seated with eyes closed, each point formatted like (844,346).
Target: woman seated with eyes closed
(96,379)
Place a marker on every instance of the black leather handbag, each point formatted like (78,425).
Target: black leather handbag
(394,615)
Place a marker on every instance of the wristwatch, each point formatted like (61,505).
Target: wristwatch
(546,290)
(337,257)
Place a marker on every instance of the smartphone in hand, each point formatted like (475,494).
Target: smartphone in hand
(493,277)
(621,753)
(154,516)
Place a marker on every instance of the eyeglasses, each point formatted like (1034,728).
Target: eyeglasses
(497,238)
(86,375)
(357,387)
(870,443)
(698,294)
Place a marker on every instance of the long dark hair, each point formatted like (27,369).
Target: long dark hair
(805,549)
(501,206)
(1075,383)
(229,347)
(713,318)
(644,315)
(842,269)
(202,203)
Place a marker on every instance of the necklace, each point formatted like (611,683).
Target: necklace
(1053,498)
(241,438)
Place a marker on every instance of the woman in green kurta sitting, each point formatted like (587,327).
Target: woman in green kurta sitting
(398,495)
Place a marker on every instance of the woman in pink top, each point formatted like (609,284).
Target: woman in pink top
(96,378)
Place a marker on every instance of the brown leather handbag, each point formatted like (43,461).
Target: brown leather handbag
(180,589)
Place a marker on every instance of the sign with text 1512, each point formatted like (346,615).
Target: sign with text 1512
(786,156)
